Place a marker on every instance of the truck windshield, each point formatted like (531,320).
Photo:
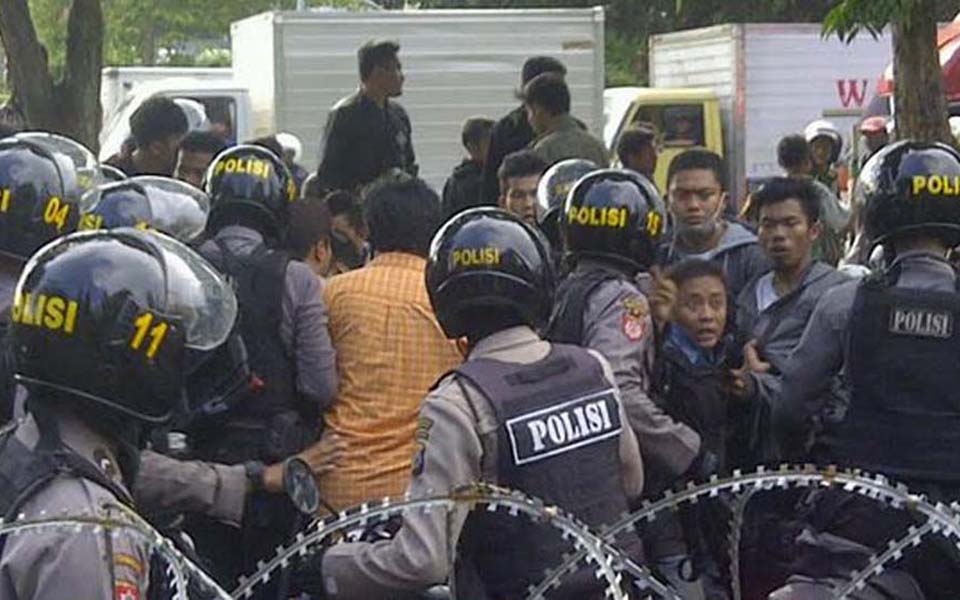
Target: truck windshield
(679,125)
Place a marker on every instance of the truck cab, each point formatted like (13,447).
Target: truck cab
(227,106)
(683,118)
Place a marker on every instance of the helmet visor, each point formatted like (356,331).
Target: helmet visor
(78,165)
(178,208)
(198,295)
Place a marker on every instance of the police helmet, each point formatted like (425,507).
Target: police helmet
(552,192)
(114,318)
(486,258)
(148,202)
(43,178)
(110,173)
(250,183)
(821,128)
(614,214)
(911,187)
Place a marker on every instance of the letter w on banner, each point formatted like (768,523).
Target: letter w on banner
(852,92)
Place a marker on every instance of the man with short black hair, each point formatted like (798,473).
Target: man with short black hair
(464,188)
(793,155)
(519,177)
(367,135)
(512,132)
(157,128)
(546,99)
(308,236)
(349,231)
(197,151)
(696,197)
(637,150)
(390,348)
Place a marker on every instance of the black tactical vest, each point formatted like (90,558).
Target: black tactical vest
(558,440)
(262,420)
(904,368)
(566,322)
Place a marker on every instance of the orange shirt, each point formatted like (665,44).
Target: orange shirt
(390,351)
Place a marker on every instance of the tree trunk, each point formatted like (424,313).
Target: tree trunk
(921,104)
(148,47)
(72,106)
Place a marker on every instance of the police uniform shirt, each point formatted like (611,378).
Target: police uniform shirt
(617,323)
(63,563)
(456,447)
(820,354)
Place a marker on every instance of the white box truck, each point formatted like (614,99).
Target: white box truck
(457,63)
(117,83)
(772,80)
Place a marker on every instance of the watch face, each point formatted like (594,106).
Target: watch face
(300,486)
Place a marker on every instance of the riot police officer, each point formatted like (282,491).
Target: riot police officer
(283,327)
(490,280)
(149,202)
(552,192)
(893,334)
(104,327)
(42,179)
(611,223)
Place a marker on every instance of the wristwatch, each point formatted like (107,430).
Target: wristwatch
(254,470)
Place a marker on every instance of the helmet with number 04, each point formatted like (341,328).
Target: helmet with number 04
(118,318)
(486,258)
(614,214)
(168,205)
(911,187)
(250,185)
(43,179)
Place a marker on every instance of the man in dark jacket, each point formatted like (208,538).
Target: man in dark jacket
(696,185)
(464,188)
(513,132)
(368,135)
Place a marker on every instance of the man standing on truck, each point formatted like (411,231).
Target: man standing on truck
(513,132)
(367,134)
(559,136)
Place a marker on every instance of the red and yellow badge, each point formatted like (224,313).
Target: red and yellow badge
(124,590)
(635,311)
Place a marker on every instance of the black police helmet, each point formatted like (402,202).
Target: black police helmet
(250,185)
(115,318)
(110,173)
(614,214)
(911,187)
(40,190)
(168,205)
(487,258)
(552,192)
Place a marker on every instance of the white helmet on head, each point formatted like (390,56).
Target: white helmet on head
(823,128)
(195,113)
(290,143)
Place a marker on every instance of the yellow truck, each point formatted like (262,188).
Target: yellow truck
(683,118)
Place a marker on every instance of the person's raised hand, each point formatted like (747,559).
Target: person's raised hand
(663,296)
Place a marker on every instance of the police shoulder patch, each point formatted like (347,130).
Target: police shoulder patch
(125,590)
(921,322)
(635,311)
(559,429)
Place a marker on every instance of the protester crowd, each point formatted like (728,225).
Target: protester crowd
(226,321)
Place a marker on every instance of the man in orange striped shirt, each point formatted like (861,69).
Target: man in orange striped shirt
(390,348)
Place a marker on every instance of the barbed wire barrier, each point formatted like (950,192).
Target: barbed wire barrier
(180,570)
(595,549)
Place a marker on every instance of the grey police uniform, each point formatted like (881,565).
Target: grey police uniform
(616,322)
(171,485)
(458,444)
(63,563)
(898,428)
